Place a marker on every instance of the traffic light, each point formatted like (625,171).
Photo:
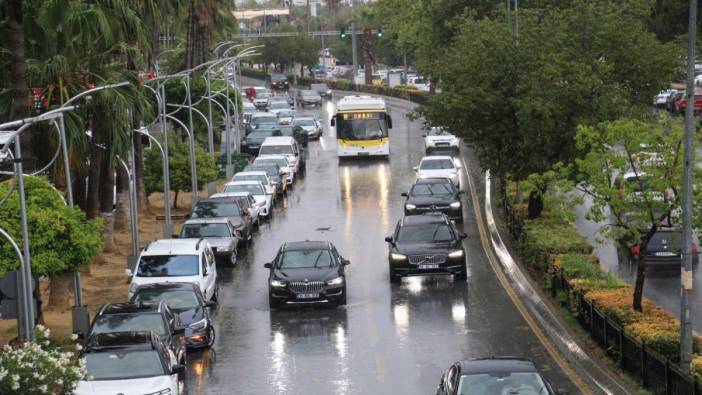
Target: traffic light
(380,32)
(343,34)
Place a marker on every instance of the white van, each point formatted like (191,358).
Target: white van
(282,145)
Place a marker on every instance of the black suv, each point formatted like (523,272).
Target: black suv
(434,194)
(138,317)
(426,244)
(307,272)
(663,251)
(185,300)
(494,376)
(129,355)
(238,215)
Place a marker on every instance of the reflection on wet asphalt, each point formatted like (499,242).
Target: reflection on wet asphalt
(389,339)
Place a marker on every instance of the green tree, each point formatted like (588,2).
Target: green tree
(179,168)
(61,239)
(632,173)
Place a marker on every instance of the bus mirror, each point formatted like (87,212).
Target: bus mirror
(333,121)
(389,122)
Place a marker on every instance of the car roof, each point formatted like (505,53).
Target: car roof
(426,218)
(278,140)
(251,173)
(497,365)
(173,247)
(247,182)
(185,286)
(435,180)
(270,157)
(231,194)
(131,307)
(138,340)
(305,245)
(213,220)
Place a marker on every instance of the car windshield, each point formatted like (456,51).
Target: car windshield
(304,122)
(179,299)
(437,164)
(282,162)
(260,134)
(524,383)
(361,126)
(299,259)
(286,113)
(438,132)
(168,266)
(205,230)
(254,189)
(276,150)
(270,170)
(279,105)
(123,365)
(278,77)
(213,209)
(250,177)
(431,189)
(425,233)
(129,322)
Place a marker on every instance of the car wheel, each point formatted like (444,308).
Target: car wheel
(232,258)
(342,300)
(212,337)
(182,389)
(215,295)
(463,274)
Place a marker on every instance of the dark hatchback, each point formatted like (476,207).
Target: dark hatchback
(426,244)
(237,214)
(252,142)
(494,376)
(434,194)
(664,250)
(307,272)
(139,317)
(185,300)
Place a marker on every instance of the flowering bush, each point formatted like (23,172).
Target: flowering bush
(40,367)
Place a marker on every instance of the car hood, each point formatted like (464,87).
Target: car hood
(126,387)
(236,221)
(160,280)
(308,128)
(434,199)
(425,248)
(217,242)
(189,316)
(309,274)
(440,138)
(254,140)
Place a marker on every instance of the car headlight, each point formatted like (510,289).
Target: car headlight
(199,324)
(456,254)
(398,257)
(224,248)
(165,391)
(336,281)
(277,283)
(410,206)
(455,205)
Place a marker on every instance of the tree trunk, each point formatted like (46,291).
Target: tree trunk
(107,195)
(175,200)
(122,209)
(93,198)
(20,93)
(198,34)
(536,205)
(60,292)
(640,277)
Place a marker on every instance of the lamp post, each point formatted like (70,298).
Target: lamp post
(193,168)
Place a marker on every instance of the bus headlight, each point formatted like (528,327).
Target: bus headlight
(410,206)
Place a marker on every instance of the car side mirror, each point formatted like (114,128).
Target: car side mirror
(389,239)
(179,331)
(333,121)
(345,262)
(128,272)
(178,368)
(462,235)
(267,265)
(389,122)
(210,304)
(404,194)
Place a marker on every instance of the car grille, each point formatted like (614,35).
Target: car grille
(432,208)
(427,259)
(312,286)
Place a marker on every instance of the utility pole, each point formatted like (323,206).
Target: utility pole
(686,279)
(354,53)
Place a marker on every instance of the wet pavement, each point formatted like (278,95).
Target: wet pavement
(662,284)
(390,338)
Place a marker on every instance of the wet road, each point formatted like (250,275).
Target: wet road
(389,339)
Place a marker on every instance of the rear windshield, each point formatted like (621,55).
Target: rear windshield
(437,164)
(168,266)
(304,122)
(129,322)
(260,178)
(431,189)
(216,209)
(205,230)
(123,365)
(282,162)
(254,189)
(175,298)
(276,150)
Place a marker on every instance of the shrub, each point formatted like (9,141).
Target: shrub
(543,239)
(697,366)
(40,367)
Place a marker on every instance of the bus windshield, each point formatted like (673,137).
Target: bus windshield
(361,126)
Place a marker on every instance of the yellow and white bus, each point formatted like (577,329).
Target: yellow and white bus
(362,124)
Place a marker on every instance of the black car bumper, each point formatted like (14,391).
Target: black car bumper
(452,213)
(404,268)
(328,295)
(251,149)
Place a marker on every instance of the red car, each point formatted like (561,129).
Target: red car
(250,93)
(682,103)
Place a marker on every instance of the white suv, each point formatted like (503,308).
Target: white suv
(177,261)
(258,190)
(439,138)
(440,166)
(282,161)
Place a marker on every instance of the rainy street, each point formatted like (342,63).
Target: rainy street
(390,338)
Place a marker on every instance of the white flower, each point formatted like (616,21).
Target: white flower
(43,388)
(79,347)
(74,337)
(15,378)
(15,385)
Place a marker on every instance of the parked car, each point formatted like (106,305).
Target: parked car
(275,173)
(133,362)
(247,200)
(277,106)
(279,82)
(219,232)
(262,120)
(251,144)
(494,376)
(283,162)
(663,250)
(439,167)
(258,190)
(178,261)
(237,214)
(287,146)
(260,176)
(310,125)
(662,97)
(440,139)
(682,104)
(434,194)
(308,98)
(307,272)
(426,244)
(295,132)
(185,300)
(672,102)
(142,317)
(261,99)
(322,90)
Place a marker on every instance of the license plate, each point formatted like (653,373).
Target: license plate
(363,154)
(665,253)
(428,266)
(442,144)
(307,296)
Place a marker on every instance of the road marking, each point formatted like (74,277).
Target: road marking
(550,348)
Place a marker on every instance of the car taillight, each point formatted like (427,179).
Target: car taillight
(635,250)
